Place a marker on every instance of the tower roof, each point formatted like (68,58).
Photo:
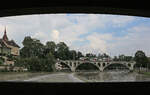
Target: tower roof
(5,38)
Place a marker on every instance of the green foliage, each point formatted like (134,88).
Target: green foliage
(104,55)
(123,58)
(115,58)
(32,48)
(141,59)
(79,54)
(90,55)
(62,51)
(1,60)
(36,64)
(11,57)
(38,57)
(50,47)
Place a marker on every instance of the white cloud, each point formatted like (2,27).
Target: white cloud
(120,21)
(97,43)
(55,35)
(136,39)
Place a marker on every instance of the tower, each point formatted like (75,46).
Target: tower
(5,38)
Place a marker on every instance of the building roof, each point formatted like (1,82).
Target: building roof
(12,43)
(2,44)
(5,38)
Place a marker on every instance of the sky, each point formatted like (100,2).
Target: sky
(88,33)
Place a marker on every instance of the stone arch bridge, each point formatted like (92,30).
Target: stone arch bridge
(101,65)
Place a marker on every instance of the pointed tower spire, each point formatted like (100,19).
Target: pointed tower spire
(5,38)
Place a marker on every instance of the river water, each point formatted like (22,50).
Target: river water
(82,76)
(112,76)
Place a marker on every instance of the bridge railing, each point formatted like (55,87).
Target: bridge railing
(95,61)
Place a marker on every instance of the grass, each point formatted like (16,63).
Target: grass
(145,73)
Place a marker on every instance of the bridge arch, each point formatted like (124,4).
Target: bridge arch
(67,64)
(123,64)
(91,63)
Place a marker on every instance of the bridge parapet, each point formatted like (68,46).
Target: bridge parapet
(95,61)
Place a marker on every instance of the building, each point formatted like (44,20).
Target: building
(4,49)
(58,66)
(8,47)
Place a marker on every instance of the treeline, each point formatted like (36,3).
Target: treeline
(36,56)
(140,58)
(123,57)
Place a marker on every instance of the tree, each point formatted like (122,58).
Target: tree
(99,56)
(104,55)
(32,48)
(62,51)
(35,56)
(90,55)
(79,54)
(121,57)
(27,42)
(50,47)
(141,59)
(51,60)
(72,55)
(128,58)
(115,58)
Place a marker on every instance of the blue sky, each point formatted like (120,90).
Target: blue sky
(88,33)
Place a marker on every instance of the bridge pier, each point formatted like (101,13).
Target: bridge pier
(73,69)
(101,69)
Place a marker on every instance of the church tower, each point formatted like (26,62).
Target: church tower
(5,38)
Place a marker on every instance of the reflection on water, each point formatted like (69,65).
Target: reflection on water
(112,76)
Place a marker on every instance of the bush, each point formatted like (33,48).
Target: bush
(36,64)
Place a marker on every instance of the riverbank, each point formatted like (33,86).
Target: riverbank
(112,76)
(145,73)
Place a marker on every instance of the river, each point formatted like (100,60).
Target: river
(106,76)
(112,76)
